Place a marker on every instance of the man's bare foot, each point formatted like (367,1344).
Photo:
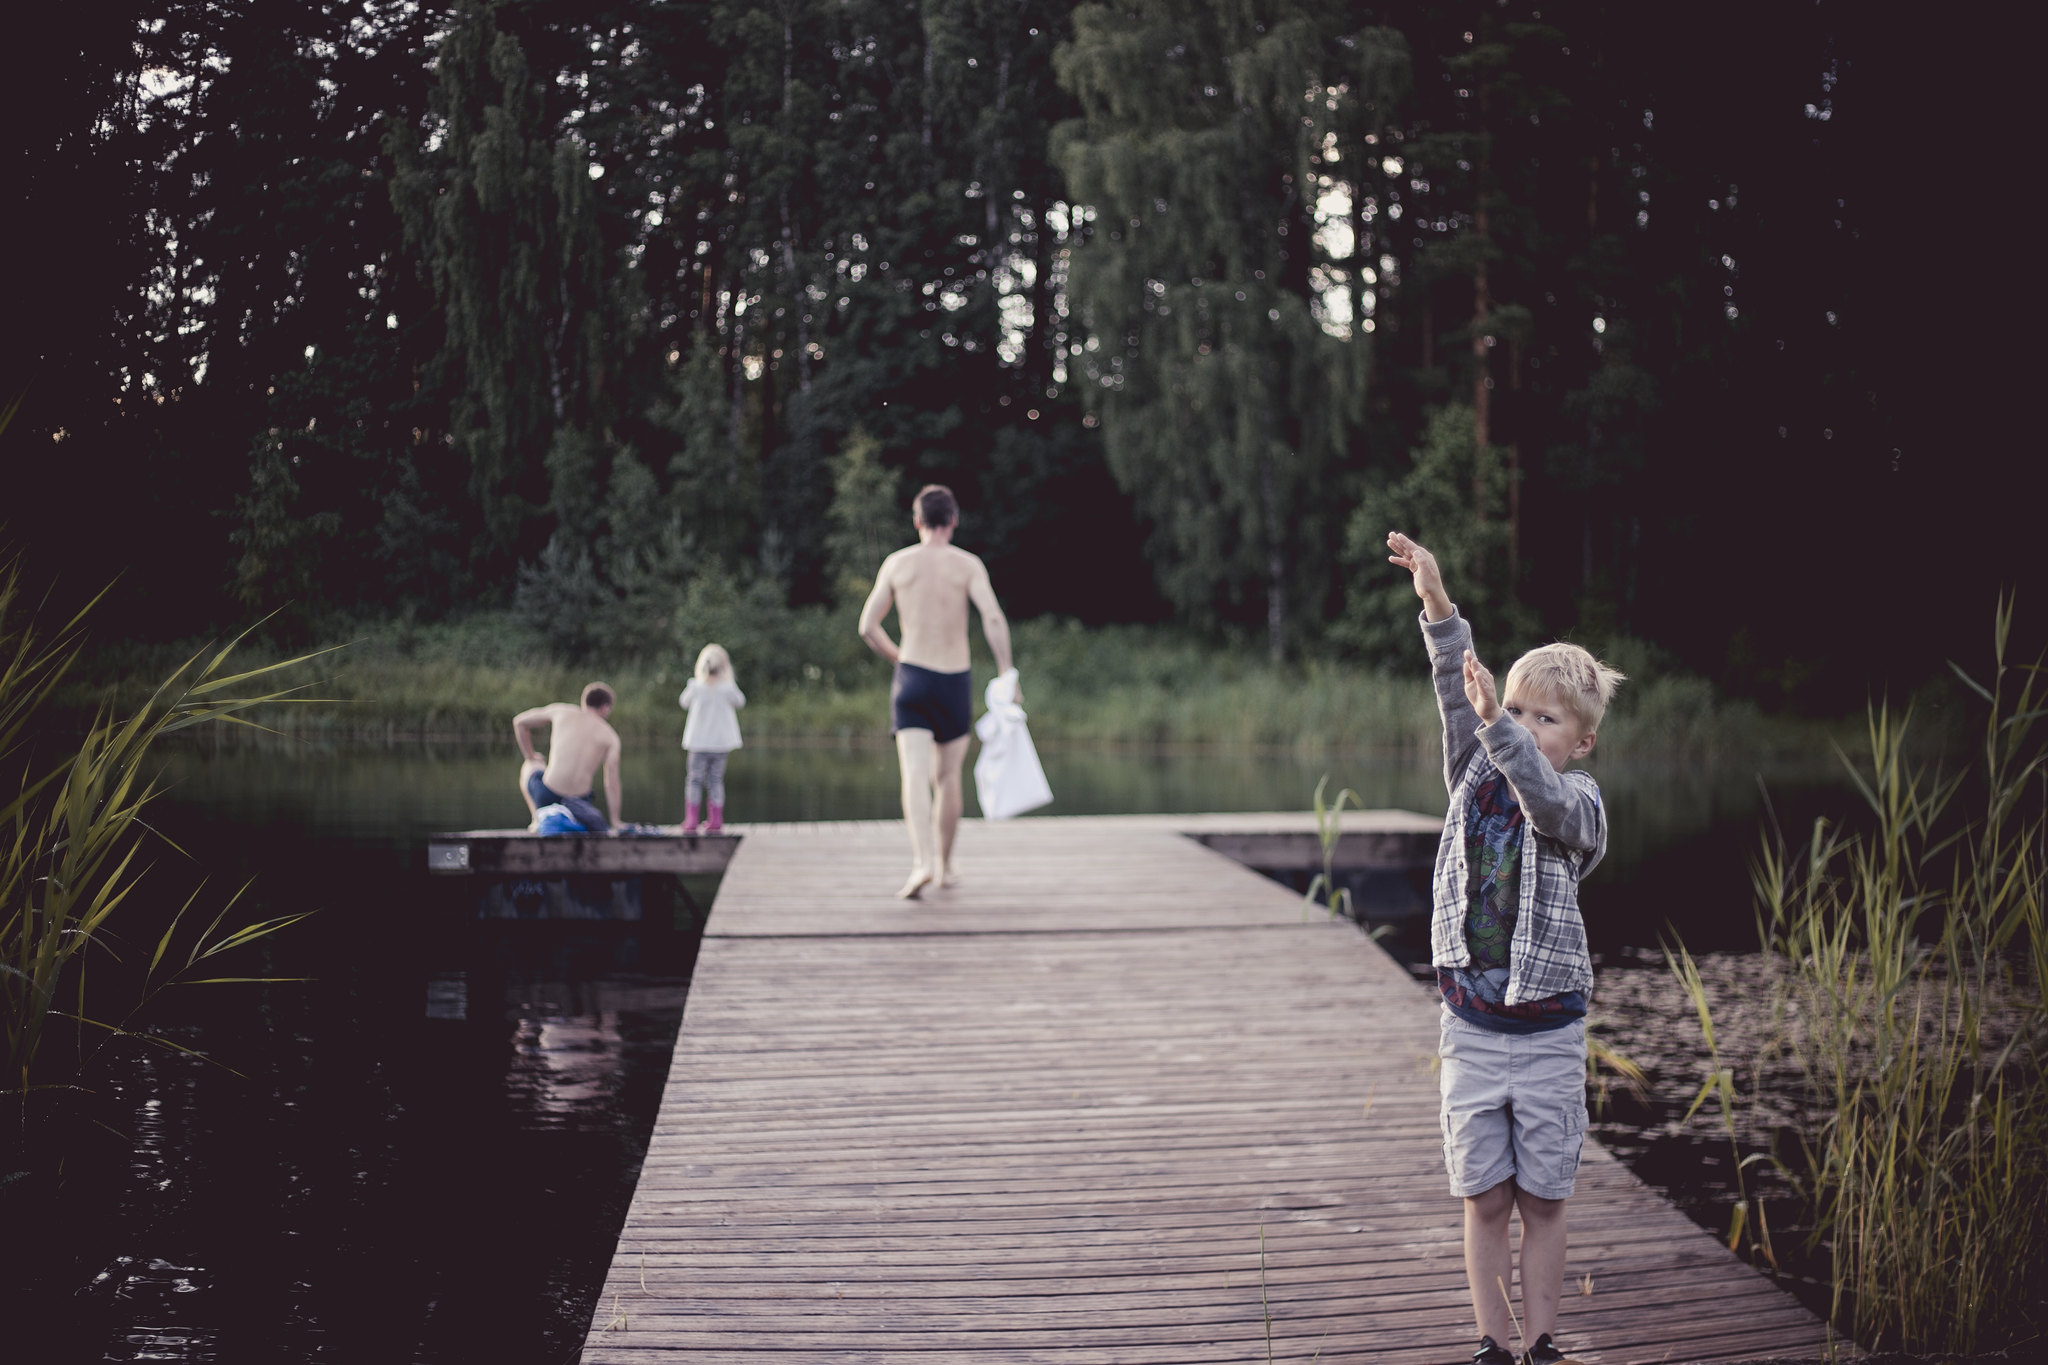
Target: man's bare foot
(920,877)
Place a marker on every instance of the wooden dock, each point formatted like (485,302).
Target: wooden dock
(1114,1099)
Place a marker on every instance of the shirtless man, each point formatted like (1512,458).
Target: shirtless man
(582,742)
(931,584)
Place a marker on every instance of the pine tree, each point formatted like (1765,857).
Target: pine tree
(869,519)
(713,485)
(1229,407)
(1451,496)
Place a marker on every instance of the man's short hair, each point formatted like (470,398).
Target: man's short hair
(1580,683)
(597,696)
(935,507)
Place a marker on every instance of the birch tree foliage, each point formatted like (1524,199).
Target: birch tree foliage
(1228,400)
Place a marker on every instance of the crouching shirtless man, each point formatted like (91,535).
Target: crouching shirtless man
(582,741)
(932,697)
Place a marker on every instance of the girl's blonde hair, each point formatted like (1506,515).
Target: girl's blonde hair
(714,665)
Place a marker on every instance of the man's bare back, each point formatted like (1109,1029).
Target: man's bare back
(930,585)
(580,741)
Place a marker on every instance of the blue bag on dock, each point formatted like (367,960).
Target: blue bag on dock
(556,820)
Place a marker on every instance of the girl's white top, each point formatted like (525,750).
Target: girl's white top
(714,724)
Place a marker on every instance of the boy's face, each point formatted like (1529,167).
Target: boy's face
(1560,735)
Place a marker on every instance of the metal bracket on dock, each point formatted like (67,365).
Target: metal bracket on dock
(447,858)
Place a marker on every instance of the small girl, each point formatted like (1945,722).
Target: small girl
(712,732)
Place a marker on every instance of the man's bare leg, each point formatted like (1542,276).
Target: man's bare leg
(917,759)
(527,768)
(952,757)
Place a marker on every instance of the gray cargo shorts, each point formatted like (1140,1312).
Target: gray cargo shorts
(1514,1104)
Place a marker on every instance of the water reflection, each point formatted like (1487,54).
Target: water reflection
(448,996)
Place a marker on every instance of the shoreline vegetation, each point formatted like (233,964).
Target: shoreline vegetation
(1140,687)
(1908,959)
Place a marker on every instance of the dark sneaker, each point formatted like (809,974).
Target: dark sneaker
(1546,1352)
(1491,1352)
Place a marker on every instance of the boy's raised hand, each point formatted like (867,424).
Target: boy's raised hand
(1429,580)
(1479,689)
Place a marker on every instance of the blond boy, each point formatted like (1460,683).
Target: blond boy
(1510,951)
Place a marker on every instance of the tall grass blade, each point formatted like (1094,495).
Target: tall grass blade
(74,860)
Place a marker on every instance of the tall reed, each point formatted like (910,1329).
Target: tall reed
(1910,960)
(1719,1086)
(71,833)
(1329,833)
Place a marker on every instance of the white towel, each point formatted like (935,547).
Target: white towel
(1008,779)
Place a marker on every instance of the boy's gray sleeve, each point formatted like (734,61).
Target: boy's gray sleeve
(1565,806)
(1448,640)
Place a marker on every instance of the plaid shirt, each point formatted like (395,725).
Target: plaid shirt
(1565,834)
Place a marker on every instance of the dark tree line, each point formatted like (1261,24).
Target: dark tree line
(1658,324)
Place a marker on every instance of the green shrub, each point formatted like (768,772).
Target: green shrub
(807,673)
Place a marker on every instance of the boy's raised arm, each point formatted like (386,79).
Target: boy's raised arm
(1449,639)
(1429,580)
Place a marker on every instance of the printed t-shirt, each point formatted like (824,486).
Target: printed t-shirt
(1494,828)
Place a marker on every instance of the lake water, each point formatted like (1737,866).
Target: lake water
(424,1152)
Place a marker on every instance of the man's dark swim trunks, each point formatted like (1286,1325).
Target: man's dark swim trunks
(920,699)
(582,807)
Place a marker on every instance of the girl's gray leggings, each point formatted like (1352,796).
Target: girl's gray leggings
(707,773)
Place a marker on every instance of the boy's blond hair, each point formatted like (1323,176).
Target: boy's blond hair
(1569,673)
(714,665)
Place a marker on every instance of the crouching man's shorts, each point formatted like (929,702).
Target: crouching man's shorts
(1514,1105)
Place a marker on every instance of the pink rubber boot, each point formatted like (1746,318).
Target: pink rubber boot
(690,817)
(717,820)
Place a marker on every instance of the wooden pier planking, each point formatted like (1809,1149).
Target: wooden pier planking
(1046,1116)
